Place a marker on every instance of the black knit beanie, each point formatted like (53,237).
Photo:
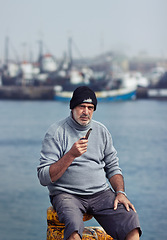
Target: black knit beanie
(83,94)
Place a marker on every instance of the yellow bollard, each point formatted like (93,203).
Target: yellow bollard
(55,229)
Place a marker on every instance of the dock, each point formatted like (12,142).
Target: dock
(27,92)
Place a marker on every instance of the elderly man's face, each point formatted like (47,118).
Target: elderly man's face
(83,113)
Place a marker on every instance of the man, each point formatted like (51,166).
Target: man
(75,169)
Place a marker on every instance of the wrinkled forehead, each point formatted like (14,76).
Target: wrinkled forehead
(86,104)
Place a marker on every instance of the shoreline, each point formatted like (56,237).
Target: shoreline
(48,93)
(27,92)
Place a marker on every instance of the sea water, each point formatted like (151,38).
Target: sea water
(139,131)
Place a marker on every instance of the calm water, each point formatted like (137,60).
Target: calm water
(139,131)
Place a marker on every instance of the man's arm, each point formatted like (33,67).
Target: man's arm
(117,183)
(57,169)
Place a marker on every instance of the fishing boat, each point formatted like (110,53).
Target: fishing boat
(119,89)
(102,96)
(159,89)
(157,93)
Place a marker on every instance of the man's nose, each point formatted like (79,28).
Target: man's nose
(86,110)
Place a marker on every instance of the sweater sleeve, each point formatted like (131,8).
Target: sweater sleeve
(110,158)
(50,153)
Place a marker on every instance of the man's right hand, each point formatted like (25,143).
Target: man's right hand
(79,147)
(57,169)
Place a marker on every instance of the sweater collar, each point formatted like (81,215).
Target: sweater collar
(76,125)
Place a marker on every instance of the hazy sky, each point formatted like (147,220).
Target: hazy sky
(132,26)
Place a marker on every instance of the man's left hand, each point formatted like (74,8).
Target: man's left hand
(121,198)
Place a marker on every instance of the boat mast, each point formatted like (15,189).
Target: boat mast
(6,50)
(40,54)
(70,51)
(40,48)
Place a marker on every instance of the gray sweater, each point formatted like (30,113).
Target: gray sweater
(87,173)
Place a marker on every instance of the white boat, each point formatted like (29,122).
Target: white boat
(126,91)
(102,96)
(157,93)
(159,90)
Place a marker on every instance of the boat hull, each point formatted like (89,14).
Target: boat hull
(102,96)
(157,93)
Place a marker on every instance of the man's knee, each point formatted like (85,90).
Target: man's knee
(133,235)
(74,236)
